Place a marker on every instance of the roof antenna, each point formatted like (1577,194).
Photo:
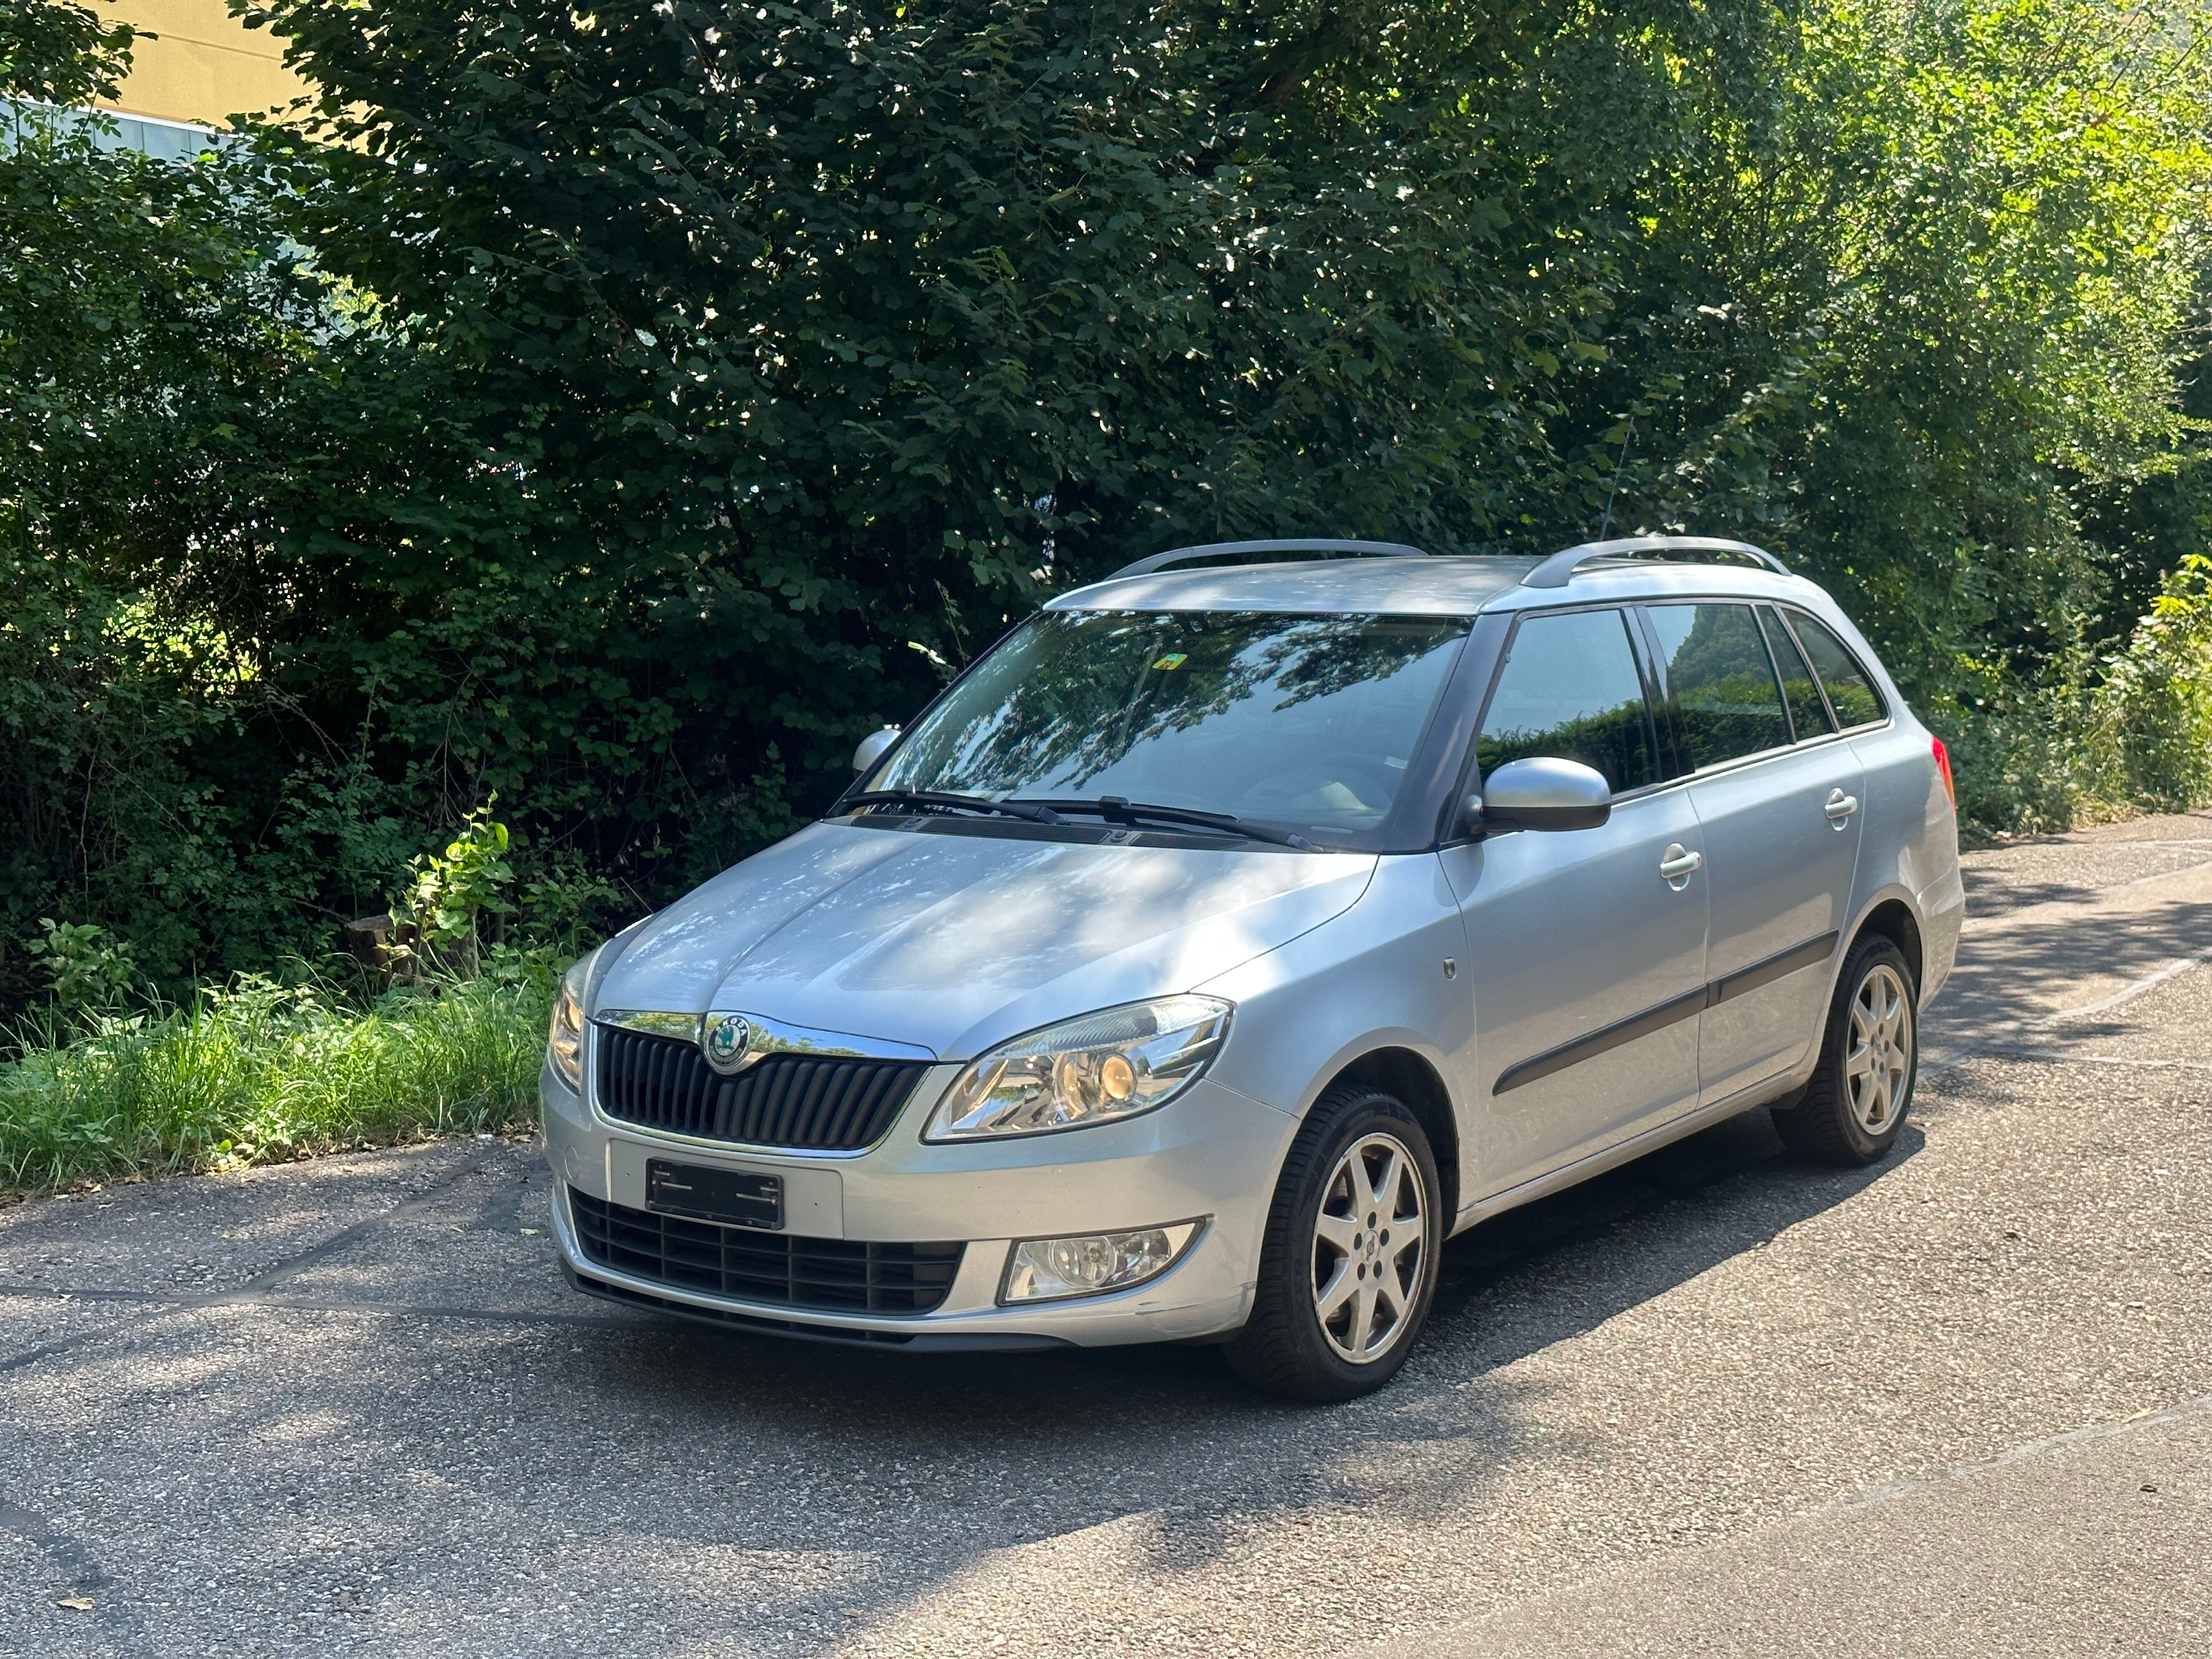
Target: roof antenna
(1606,523)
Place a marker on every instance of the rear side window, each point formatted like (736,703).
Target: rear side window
(1850,688)
(1807,712)
(1721,695)
(1570,690)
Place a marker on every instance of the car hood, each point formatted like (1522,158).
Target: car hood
(953,942)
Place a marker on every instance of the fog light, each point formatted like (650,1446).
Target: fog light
(1048,1269)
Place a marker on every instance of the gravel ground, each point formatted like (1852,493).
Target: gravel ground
(348,1407)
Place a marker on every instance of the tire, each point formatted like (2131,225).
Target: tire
(1318,1242)
(1852,1111)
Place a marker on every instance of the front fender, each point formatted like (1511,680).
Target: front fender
(1370,978)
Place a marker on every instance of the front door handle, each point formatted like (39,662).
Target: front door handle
(1680,862)
(1841,806)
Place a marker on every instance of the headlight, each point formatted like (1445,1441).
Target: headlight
(564,1043)
(1113,1064)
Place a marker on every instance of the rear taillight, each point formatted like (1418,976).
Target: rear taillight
(1943,766)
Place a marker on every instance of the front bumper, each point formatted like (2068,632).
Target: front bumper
(1212,1153)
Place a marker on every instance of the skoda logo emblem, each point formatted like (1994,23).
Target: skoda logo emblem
(727,1042)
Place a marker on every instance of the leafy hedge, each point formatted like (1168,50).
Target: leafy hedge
(675,391)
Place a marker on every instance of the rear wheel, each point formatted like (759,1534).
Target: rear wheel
(1854,1108)
(1349,1266)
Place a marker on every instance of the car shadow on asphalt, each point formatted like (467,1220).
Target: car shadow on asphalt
(1169,1433)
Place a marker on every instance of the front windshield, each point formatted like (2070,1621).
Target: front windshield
(1301,720)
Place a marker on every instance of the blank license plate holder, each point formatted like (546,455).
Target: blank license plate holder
(729,1198)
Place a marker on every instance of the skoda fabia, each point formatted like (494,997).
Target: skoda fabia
(1231,934)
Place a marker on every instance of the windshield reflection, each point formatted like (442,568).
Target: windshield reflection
(1302,721)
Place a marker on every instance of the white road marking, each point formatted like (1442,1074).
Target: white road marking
(2061,1058)
(2128,993)
(1891,1491)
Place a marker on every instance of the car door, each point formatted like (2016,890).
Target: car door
(1777,798)
(1585,962)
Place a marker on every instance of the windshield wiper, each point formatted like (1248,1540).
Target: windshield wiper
(1033,813)
(1120,806)
(1110,806)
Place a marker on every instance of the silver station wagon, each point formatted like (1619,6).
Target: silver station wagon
(1230,935)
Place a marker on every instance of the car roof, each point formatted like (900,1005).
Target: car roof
(1441,584)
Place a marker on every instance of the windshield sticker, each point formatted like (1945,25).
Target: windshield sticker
(1173,659)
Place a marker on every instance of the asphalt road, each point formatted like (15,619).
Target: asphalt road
(1716,1403)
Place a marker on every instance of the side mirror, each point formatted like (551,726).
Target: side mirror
(872,747)
(1544,794)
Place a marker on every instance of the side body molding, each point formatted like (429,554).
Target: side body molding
(1608,1037)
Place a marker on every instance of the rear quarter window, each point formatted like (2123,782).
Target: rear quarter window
(1850,688)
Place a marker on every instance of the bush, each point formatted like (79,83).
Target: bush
(2096,740)
(2151,732)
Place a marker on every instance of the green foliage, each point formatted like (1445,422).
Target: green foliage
(2134,734)
(90,970)
(61,54)
(2152,712)
(446,892)
(154,344)
(840,311)
(560,907)
(1916,300)
(260,1072)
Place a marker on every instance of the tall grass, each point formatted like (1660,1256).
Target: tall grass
(259,1072)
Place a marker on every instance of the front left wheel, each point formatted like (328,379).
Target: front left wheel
(1348,1270)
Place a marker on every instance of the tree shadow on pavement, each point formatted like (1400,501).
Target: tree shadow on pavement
(2036,969)
(788,1487)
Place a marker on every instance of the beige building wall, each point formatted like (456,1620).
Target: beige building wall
(205,65)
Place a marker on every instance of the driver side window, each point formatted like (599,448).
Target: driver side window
(1571,688)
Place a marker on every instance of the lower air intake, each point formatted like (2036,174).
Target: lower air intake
(828,1275)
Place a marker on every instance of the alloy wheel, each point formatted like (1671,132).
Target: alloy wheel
(1371,1247)
(1879,1059)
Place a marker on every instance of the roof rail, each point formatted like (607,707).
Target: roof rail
(1559,569)
(1215,550)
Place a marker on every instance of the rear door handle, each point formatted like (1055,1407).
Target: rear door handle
(1680,862)
(1841,805)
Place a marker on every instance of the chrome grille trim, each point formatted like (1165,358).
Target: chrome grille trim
(769,1036)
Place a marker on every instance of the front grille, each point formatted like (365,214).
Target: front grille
(834,1275)
(809,1103)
